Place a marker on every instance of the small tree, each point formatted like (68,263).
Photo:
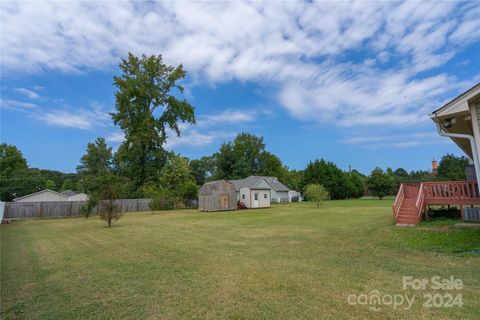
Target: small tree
(380,183)
(50,184)
(317,193)
(67,184)
(107,208)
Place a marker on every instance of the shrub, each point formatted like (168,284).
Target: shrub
(91,203)
(445,213)
(164,200)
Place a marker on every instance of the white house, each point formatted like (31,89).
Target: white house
(279,190)
(50,195)
(253,191)
(259,192)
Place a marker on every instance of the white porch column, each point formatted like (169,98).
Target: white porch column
(475,113)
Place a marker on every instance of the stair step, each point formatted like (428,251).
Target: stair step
(407,221)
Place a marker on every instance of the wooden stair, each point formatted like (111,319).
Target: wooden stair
(409,204)
(408,212)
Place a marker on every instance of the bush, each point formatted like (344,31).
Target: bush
(163,200)
(91,203)
(445,213)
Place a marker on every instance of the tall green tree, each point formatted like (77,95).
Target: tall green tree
(97,160)
(452,167)
(380,183)
(146,108)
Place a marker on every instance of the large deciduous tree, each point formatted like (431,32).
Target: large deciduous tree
(147,107)
(330,176)
(245,156)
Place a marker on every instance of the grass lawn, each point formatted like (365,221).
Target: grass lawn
(288,261)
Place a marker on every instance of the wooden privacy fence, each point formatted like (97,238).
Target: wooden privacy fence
(58,209)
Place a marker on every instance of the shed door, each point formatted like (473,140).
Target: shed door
(255,200)
(224,201)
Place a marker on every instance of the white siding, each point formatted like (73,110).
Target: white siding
(263,197)
(244,196)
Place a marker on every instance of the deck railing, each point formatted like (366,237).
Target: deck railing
(398,201)
(451,192)
(420,203)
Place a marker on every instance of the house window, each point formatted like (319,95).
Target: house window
(256,196)
(265,196)
(243,196)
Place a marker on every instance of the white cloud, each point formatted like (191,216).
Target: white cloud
(28,93)
(405,140)
(227,116)
(14,104)
(284,44)
(78,118)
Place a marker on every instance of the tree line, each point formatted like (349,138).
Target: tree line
(148,108)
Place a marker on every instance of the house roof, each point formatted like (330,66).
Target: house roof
(69,193)
(460,109)
(459,104)
(252,182)
(39,192)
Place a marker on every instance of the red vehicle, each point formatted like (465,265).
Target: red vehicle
(241,205)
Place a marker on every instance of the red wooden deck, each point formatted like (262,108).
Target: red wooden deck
(413,199)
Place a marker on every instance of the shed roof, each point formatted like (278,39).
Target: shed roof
(252,181)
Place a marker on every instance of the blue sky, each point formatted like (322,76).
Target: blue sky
(351,82)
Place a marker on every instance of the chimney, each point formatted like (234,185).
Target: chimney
(434,167)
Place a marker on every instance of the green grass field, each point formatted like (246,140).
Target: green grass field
(288,261)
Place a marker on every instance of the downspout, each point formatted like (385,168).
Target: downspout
(472,144)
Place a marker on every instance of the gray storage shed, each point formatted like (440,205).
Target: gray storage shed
(217,196)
